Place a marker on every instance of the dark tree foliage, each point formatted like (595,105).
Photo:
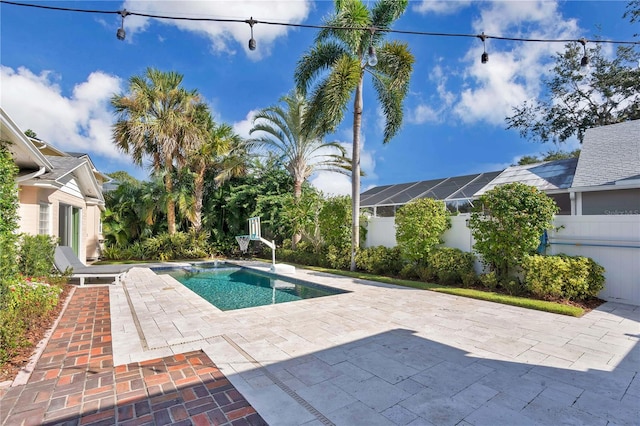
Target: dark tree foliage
(549,156)
(577,99)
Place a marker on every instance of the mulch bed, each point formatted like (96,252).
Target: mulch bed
(34,335)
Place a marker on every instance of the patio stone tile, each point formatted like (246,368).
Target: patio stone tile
(358,413)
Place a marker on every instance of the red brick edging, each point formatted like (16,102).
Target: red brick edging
(75,383)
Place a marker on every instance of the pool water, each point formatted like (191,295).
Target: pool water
(237,288)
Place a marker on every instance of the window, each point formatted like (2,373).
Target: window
(44,219)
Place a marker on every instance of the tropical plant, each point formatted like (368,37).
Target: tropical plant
(220,154)
(419,228)
(347,49)
(298,145)
(607,93)
(157,119)
(8,214)
(507,223)
(134,210)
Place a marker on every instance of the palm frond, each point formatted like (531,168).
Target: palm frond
(319,59)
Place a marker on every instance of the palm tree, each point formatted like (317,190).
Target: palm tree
(220,153)
(299,145)
(156,119)
(344,51)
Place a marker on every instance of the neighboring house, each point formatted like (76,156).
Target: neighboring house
(604,180)
(59,194)
(607,179)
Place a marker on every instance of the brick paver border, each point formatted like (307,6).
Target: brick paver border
(75,382)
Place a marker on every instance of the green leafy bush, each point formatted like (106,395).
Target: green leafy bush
(507,223)
(35,257)
(450,265)
(24,302)
(568,277)
(338,258)
(380,260)
(489,280)
(419,227)
(8,214)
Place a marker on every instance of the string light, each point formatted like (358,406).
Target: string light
(252,22)
(121,34)
(252,41)
(484,58)
(372,59)
(584,62)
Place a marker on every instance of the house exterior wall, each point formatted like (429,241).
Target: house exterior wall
(28,210)
(30,198)
(612,241)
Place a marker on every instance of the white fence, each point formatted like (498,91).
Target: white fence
(612,241)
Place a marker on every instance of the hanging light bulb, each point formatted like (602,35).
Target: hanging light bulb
(252,41)
(584,62)
(484,58)
(372,58)
(121,34)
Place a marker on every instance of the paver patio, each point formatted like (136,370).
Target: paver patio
(385,355)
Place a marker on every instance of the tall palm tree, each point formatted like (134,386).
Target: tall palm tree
(156,119)
(220,153)
(299,145)
(335,67)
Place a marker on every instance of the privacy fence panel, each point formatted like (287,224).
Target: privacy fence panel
(612,241)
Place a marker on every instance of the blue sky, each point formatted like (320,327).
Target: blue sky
(59,70)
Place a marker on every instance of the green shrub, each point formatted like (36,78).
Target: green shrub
(338,258)
(419,227)
(180,245)
(507,222)
(449,265)
(409,271)
(380,260)
(568,277)
(489,280)
(35,256)
(8,214)
(23,304)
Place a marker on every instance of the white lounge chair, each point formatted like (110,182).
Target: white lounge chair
(66,258)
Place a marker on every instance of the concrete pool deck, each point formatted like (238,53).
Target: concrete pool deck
(385,355)
(149,351)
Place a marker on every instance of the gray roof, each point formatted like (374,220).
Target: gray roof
(548,176)
(452,188)
(61,166)
(609,154)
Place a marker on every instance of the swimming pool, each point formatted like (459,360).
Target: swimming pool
(229,287)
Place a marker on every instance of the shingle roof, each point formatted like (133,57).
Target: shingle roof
(609,154)
(547,176)
(61,166)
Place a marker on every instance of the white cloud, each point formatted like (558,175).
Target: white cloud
(338,184)
(442,7)
(243,127)
(79,122)
(425,112)
(224,35)
(513,73)
(332,183)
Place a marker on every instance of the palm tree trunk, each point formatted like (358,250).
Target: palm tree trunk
(199,195)
(355,174)
(171,204)
(297,194)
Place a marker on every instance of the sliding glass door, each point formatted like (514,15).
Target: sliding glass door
(69,227)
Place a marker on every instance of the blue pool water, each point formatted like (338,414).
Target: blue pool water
(229,288)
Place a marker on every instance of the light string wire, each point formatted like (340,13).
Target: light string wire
(314,26)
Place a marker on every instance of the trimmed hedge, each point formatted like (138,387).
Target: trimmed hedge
(568,277)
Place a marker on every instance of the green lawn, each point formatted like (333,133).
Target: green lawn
(523,302)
